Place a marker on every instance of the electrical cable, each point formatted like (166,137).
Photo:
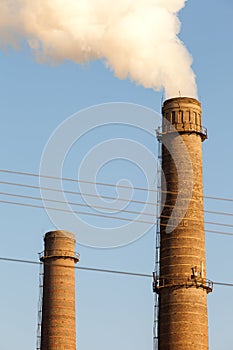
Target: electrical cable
(75,203)
(223,284)
(103,216)
(93,269)
(74,180)
(103,183)
(77,212)
(109,208)
(103,197)
(23,261)
(74,192)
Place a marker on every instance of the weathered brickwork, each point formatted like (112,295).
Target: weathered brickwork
(183,322)
(58,330)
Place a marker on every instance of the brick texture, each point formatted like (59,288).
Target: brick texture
(58,330)
(183,322)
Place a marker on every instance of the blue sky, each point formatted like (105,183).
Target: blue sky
(112,311)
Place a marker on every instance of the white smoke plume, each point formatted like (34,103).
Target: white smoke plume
(137,39)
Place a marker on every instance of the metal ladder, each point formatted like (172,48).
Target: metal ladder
(157,240)
(39,316)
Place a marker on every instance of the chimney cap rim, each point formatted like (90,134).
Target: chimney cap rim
(178,100)
(59,234)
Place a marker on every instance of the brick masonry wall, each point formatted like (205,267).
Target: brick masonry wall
(183,322)
(58,310)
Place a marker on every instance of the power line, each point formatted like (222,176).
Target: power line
(23,261)
(77,212)
(74,180)
(75,203)
(102,183)
(220,232)
(103,196)
(103,216)
(109,208)
(223,284)
(74,192)
(93,269)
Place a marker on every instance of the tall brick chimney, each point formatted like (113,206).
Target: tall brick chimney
(182,284)
(58,330)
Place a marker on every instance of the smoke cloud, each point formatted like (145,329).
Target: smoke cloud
(137,39)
